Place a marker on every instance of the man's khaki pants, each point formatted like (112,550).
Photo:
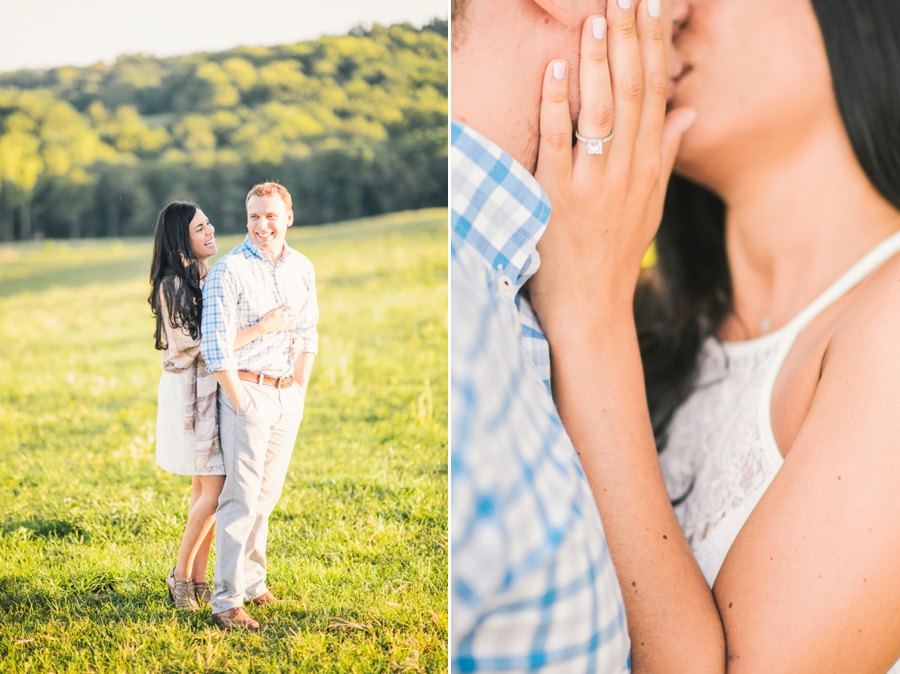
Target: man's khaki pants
(257,442)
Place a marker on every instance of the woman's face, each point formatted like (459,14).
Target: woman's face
(203,237)
(757,75)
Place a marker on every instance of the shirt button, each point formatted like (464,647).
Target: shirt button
(506,285)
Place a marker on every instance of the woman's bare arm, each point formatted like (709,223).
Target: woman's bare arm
(605,213)
(811,584)
(598,386)
(277,320)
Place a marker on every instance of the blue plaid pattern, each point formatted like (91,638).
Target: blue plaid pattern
(498,208)
(533,587)
(240,289)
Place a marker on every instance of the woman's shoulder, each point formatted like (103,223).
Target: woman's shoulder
(867,334)
(877,304)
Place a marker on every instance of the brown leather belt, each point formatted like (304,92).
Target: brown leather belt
(277,382)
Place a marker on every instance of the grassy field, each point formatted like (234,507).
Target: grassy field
(90,526)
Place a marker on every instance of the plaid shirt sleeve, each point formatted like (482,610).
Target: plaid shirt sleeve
(533,587)
(218,323)
(500,210)
(308,316)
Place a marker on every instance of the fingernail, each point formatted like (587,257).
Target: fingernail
(559,70)
(653,8)
(625,4)
(598,27)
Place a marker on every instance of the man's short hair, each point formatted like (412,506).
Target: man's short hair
(267,190)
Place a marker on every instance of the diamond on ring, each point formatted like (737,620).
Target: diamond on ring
(594,145)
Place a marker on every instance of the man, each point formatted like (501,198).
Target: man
(261,392)
(532,586)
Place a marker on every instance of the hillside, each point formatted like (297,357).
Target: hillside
(353,125)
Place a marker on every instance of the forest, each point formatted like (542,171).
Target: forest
(353,125)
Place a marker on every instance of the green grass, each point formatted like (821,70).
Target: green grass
(90,526)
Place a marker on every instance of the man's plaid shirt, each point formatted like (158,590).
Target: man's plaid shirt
(533,587)
(240,289)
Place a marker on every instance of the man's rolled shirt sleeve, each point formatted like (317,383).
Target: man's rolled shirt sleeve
(218,325)
(309,316)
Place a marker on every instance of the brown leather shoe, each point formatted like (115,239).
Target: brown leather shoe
(263,600)
(235,618)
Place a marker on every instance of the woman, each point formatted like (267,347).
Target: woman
(771,344)
(187,437)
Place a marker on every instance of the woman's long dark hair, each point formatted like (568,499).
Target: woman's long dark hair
(691,295)
(175,272)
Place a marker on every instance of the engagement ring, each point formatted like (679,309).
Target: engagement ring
(594,145)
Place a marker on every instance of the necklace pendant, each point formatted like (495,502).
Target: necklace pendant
(765,324)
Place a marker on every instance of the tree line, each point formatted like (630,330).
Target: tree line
(353,125)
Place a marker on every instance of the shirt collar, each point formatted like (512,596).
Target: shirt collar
(259,254)
(496,205)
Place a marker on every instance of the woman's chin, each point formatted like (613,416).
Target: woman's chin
(688,161)
(696,167)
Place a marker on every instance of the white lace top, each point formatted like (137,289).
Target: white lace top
(721,439)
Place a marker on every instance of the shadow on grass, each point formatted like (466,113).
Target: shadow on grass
(101,598)
(47,528)
(114,271)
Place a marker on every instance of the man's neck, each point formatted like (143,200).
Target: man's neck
(499,61)
(496,79)
(276,257)
(514,139)
(266,252)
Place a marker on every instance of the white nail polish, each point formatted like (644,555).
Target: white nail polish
(653,8)
(559,70)
(598,27)
(625,4)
